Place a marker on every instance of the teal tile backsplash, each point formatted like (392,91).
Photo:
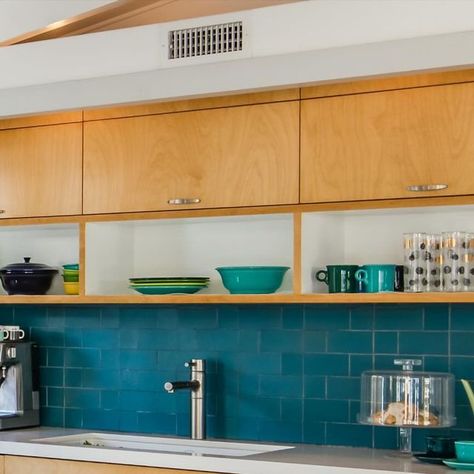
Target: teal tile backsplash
(285,373)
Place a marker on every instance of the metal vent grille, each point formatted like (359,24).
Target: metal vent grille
(205,40)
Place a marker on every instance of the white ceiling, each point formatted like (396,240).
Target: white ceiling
(21,16)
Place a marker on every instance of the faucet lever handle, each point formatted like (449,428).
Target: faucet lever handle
(190,364)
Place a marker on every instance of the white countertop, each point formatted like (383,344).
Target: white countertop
(302,459)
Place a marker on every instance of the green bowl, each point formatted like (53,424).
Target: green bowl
(70,272)
(70,278)
(464,451)
(252,280)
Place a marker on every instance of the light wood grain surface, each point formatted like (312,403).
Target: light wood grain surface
(372,146)
(297,230)
(276,298)
(244,211)
(240,156)
(82,258)
(387,83)
(38,120)
(41,171)
(166,107)
(29,465)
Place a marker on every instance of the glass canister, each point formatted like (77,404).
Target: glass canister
(407,399)
(469,259)
(455,261)
(415,262)
(433,261)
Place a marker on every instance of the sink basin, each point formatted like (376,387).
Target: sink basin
(155,444)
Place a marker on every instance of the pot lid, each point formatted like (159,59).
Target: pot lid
(27,268)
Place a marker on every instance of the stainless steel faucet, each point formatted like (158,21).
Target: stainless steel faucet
(198,403)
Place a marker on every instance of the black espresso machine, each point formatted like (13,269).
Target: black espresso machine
(19,381)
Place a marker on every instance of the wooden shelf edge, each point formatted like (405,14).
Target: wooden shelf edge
(142,299)
(399,203)
(278,298)
(384,298)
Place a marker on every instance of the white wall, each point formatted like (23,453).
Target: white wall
(288,45)
(21,16)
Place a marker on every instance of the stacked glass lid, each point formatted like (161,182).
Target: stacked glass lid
(167,285)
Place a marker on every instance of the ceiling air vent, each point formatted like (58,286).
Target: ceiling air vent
(205,40)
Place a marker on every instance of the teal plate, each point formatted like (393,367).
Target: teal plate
(167,284)
(71,266)
(461,466)
(161,290)
(169,279)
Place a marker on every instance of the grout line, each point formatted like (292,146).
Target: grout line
(449,338)
(303,398)
(374,314)
(373,341)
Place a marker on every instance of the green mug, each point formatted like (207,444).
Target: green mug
(339,278)
(376,278)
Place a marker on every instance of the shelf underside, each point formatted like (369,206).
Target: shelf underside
(340,298)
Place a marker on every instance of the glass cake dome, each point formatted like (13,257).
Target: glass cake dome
(407,399)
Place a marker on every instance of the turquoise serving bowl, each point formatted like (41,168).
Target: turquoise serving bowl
(464,451)
(252,280)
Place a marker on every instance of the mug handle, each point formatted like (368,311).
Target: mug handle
(361,275)
(320,278)
(22,333)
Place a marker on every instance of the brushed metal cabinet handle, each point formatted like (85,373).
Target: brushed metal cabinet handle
(426,187)
(181,201)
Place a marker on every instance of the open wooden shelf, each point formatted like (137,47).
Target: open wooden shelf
(278,298)
(294,232)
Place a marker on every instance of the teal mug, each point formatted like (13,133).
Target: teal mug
(376,278)
(339,278)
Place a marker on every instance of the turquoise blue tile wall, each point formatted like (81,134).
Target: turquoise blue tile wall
(287,373)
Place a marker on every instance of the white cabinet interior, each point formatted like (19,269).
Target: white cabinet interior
(52,244)
(369,236)
(117,251)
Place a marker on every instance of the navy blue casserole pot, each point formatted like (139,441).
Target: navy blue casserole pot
(27,278)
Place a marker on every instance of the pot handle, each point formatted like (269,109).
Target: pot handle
(27,259)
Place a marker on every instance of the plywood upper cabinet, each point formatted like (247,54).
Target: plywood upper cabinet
(376,145)
(30,465)
(236,156)
(41,171)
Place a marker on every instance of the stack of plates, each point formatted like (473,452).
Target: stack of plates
(166,285)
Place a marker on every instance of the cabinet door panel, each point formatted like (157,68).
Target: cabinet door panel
(373,146)
(41,171)
(29,465)
(241,156)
